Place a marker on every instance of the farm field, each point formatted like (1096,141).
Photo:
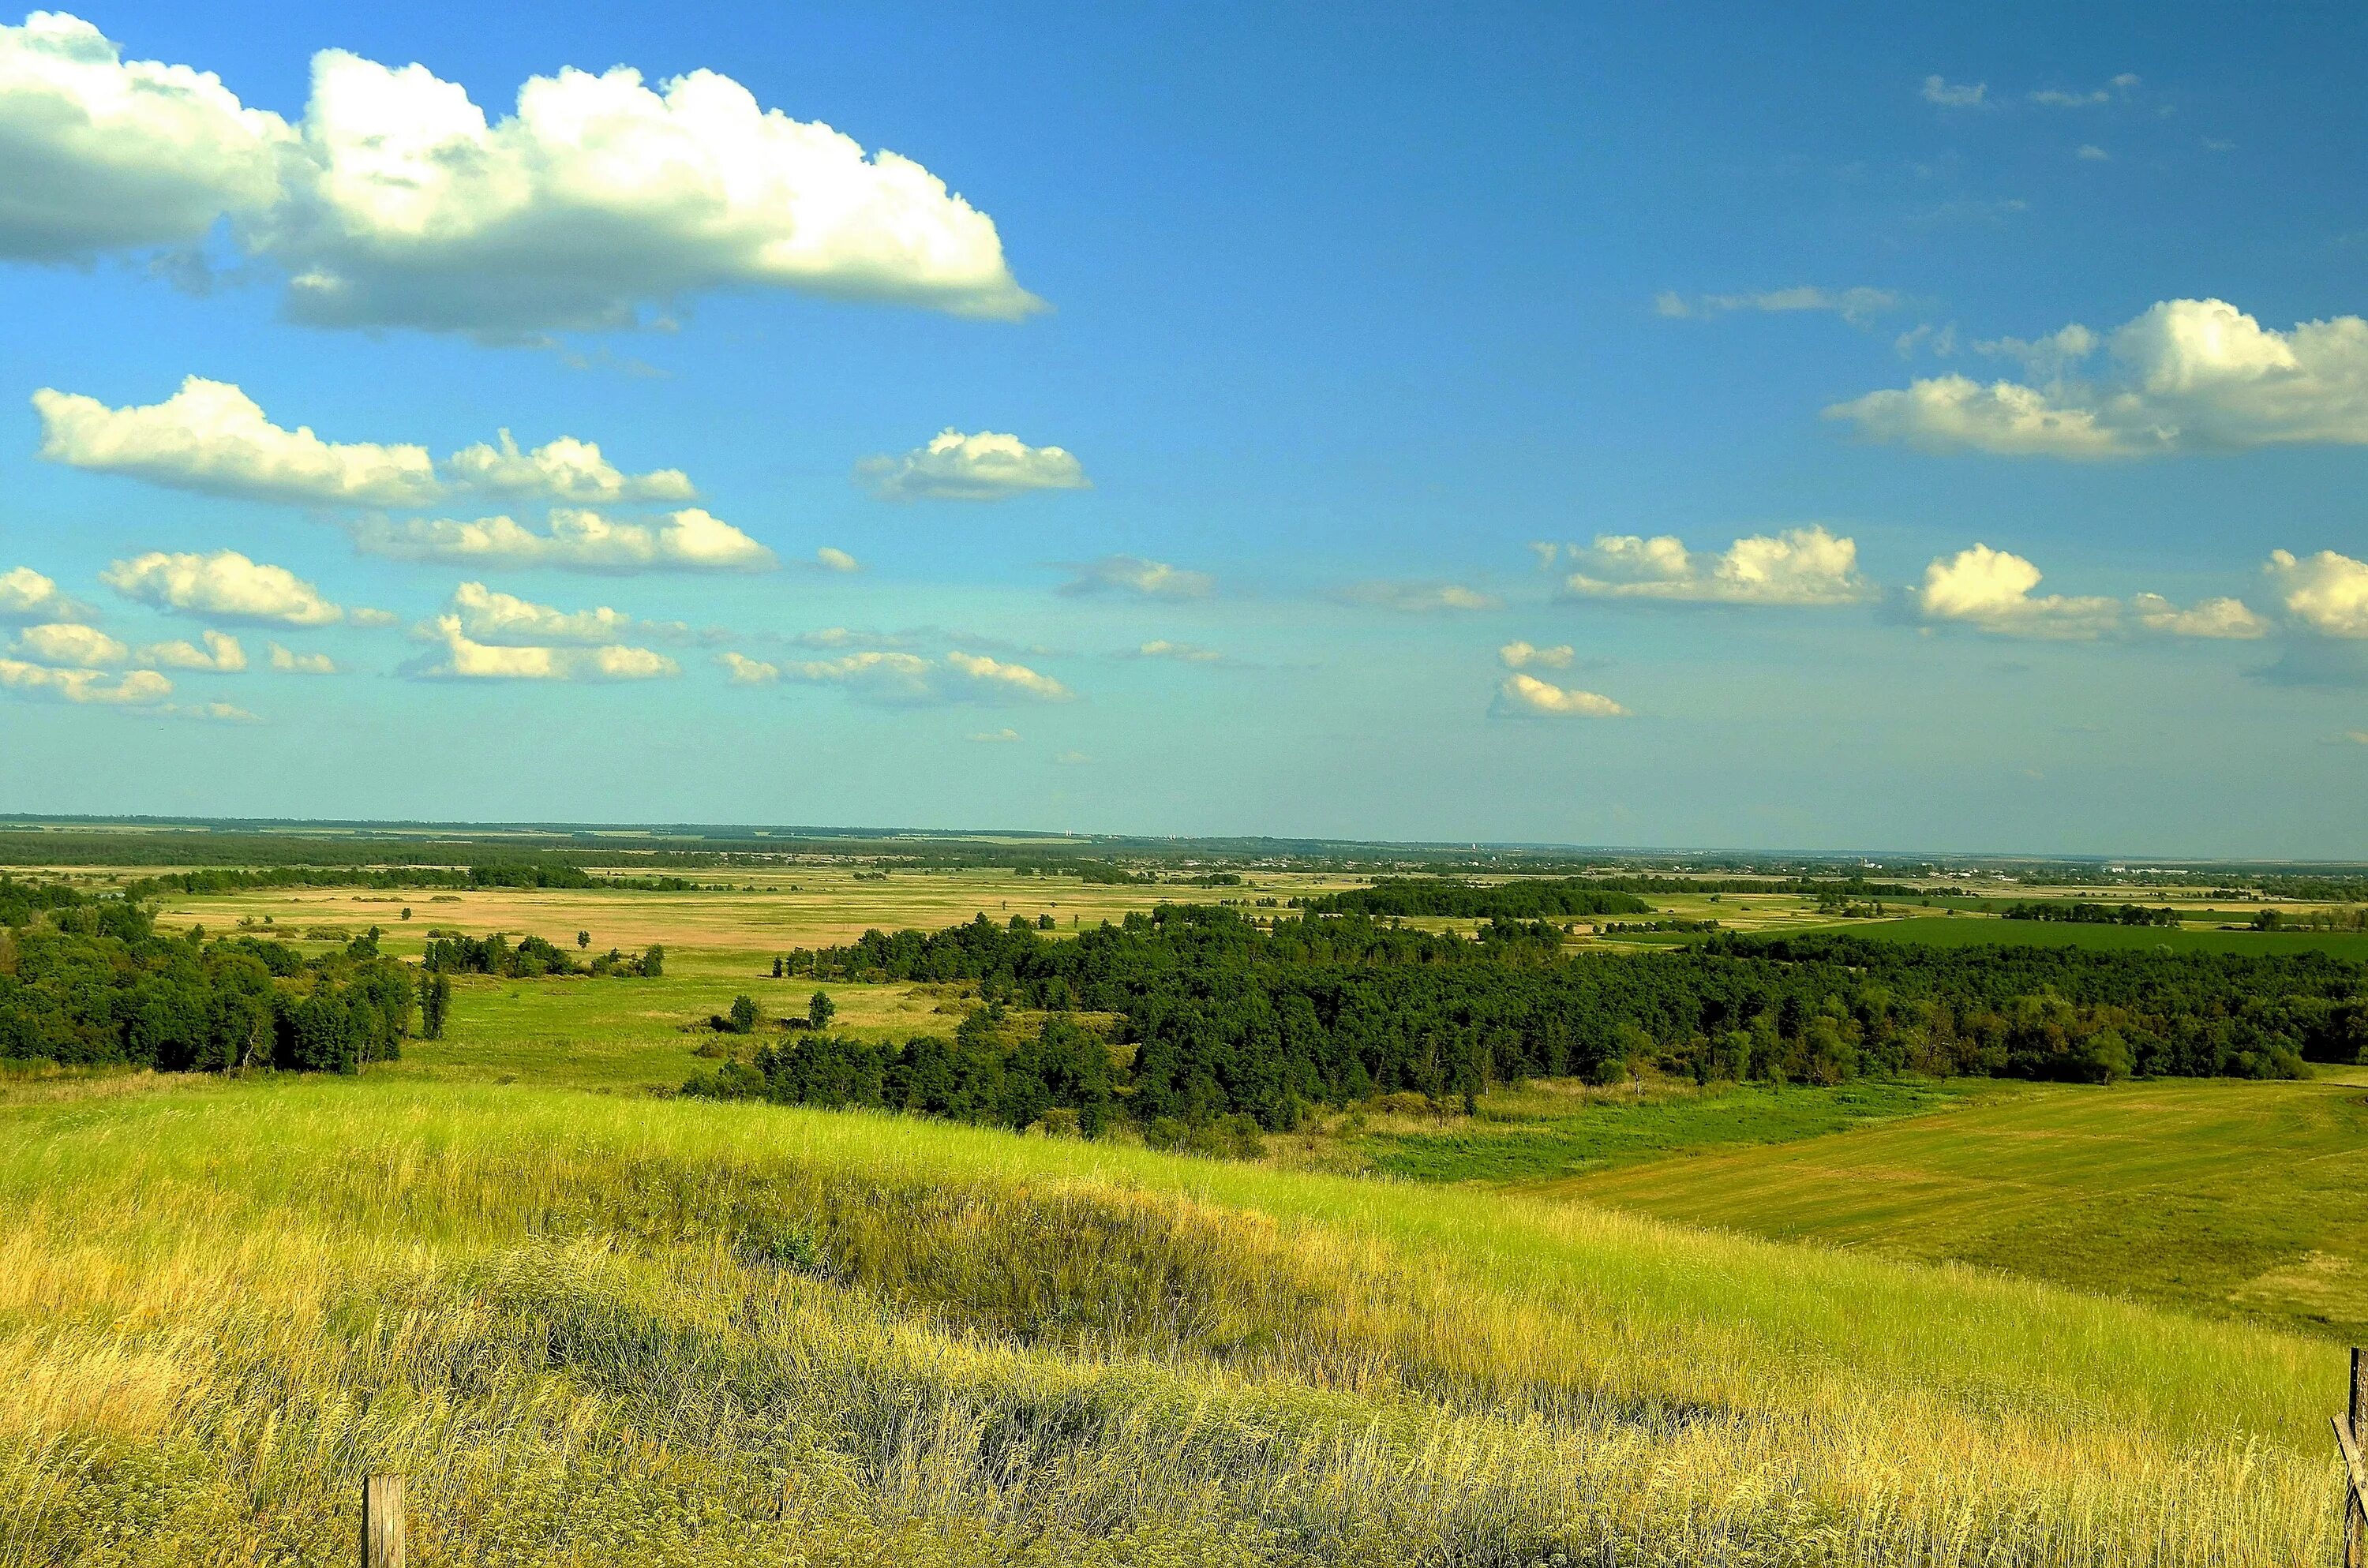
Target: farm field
(594,1329)
(2213,1196)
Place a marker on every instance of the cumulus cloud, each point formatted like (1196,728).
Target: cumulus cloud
(362,615)
(833,560)
(577,541)
(491,616)
(1955,95)
(84,685)
(26,595)
(1419,598)
(71,644)
(397,201)
(212,438)
(1990,590)
(984,467)
(905,679)
(289,662)
(105,153)
(220,652)
(1853,305)
(745,671)
(458,656)
(1799,566)
(1529,655)
(2186,376)
(1527,697)
(562,469)
(225,583)
(1004,736)
(2326,593)
(1131,574)
(2226,619)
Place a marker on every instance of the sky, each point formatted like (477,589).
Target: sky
(1866,427)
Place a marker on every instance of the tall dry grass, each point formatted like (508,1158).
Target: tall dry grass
(595,1330)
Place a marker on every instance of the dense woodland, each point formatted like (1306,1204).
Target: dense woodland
(96,984)
(1216,1016)
(1534,898)
(2083,912)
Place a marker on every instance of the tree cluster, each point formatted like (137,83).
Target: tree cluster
(532,958)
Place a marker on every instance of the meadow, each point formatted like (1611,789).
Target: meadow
(594,1328)
(1905,1321)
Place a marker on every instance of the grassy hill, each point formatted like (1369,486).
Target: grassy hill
(597,1328)
(2232,1197)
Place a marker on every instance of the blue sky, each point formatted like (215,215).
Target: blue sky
(1532,424)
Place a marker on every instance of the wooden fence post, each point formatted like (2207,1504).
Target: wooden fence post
(2350,1427)
(383,1522)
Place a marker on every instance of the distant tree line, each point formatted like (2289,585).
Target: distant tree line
(1528,899)
(516,874)
(2081,912)
(1219,1017)
(531,958)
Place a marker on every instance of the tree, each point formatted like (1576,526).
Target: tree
(776,966)
(583,939)
(435,1002)
(407,912)
(744,1015)
(820,1010)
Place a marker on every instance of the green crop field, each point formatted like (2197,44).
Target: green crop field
(594,1329)
(2212,1195)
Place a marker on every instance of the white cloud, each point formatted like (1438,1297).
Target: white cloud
(1799,567)
(1073,759)
(995,737)
(489,614)
(220,654)
(1853,305)
(26,595)
(2188,375)
(225,583)
(1529,655)
(1990,590)
(2225,620)
(834,560)
(211,436)
(1183,653)
(577,540)
(2325,593)
(464,658)
(212,712)
(1955,95)
(135,688)
(398,203)
(911,679)
(75,646)
(1131,574)
(104,153)
(746,671)
(1419,598)
(984,467)
(288,660)
(562,469)
(2057,98)
(1521,696)
(2090,153)
(362,615)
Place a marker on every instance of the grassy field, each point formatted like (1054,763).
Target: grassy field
(594,1329)
(2213,1196)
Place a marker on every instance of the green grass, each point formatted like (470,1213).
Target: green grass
(1543,1135)
(2212,1195)
(1965,931)
(597,1330)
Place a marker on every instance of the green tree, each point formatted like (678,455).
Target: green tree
(820,1010)
(744,1015)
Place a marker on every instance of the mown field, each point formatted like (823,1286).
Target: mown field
(598,1329)
(2226,1197)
